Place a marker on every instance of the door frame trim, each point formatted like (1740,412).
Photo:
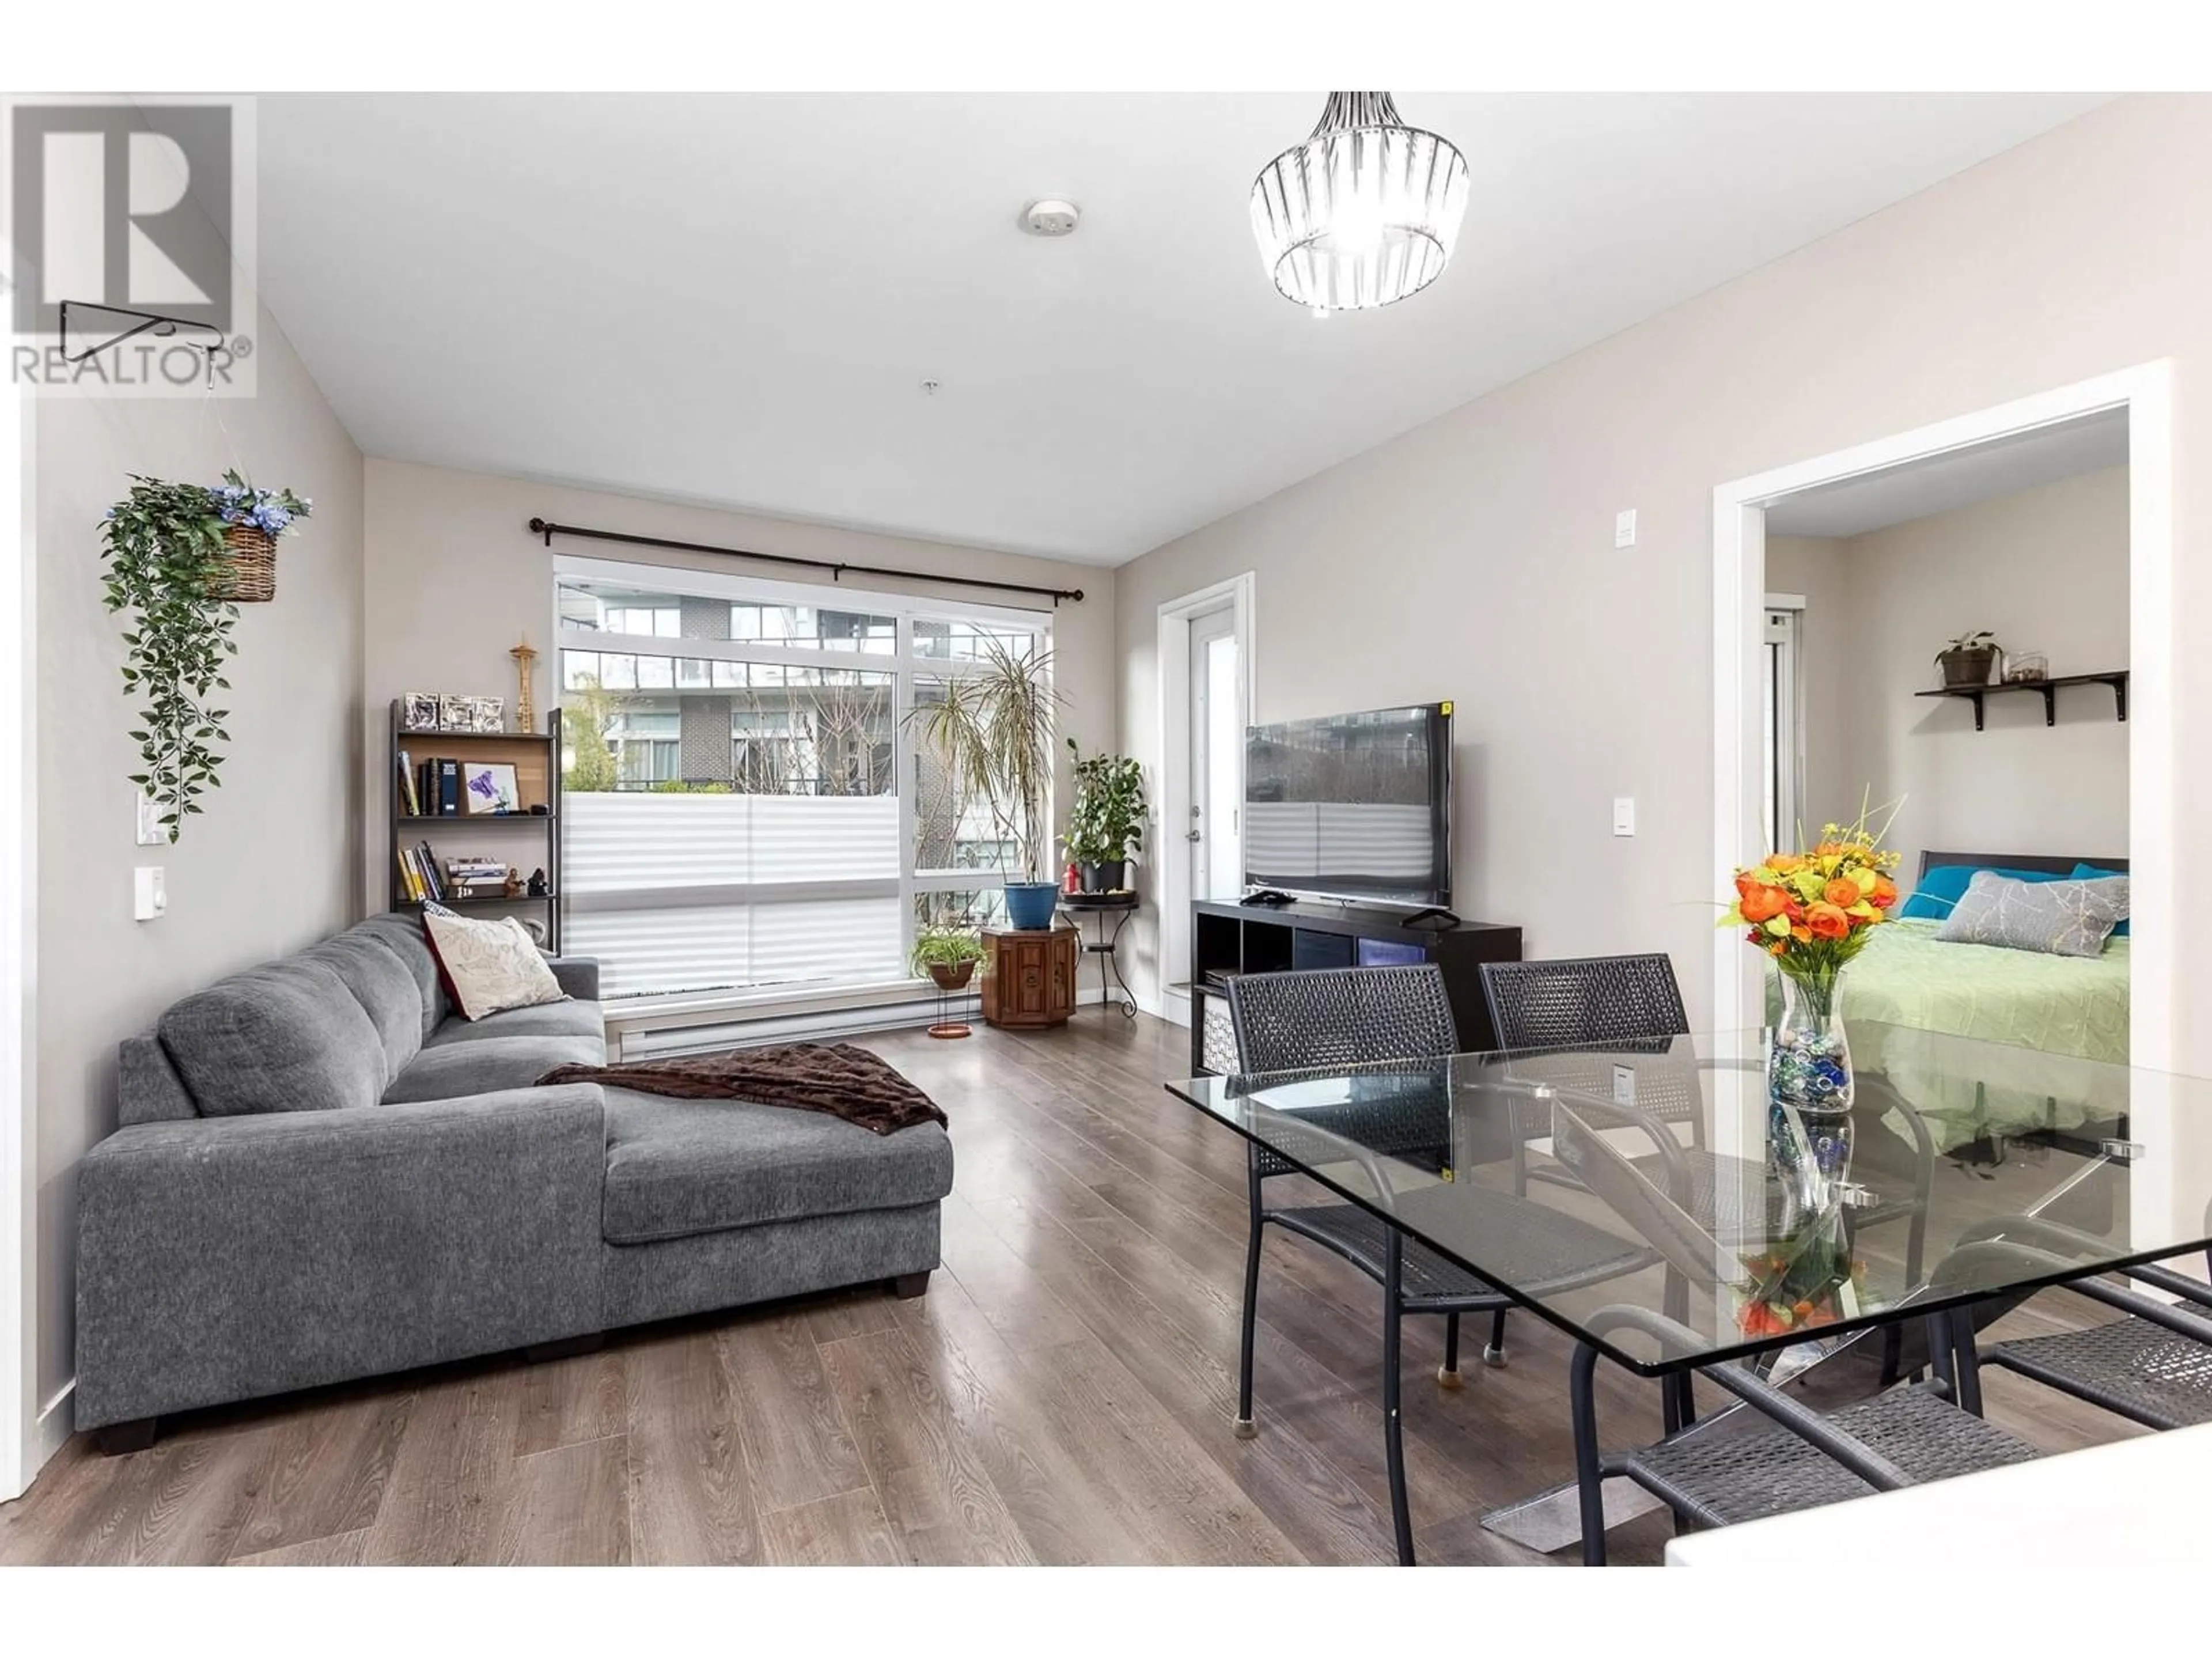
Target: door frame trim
(1172,930)
(28,1434)
(1739,572)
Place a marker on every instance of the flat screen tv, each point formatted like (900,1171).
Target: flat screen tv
(1351,806)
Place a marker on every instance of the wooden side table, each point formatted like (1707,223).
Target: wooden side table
(1029,976)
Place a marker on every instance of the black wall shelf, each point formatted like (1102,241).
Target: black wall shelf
(2117,679)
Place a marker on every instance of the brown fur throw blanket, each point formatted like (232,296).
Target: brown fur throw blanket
(838,1078)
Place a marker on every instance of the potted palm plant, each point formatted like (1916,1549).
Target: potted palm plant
(1109,820)
(993,728)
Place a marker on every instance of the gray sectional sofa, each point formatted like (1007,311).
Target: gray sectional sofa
(323,1173)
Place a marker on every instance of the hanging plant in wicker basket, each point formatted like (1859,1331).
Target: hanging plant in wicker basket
(168,554)
(252,520)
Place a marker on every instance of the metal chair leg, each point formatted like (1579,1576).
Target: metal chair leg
(1394,1430)
(1966,1358)
(1448,1375)
(1937,1329)
(1589,1479)
(1494,1352)
(1245,1428)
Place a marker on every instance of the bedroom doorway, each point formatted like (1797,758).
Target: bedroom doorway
(2123,419)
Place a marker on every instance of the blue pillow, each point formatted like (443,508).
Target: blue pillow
(2091,872)
(1941,888)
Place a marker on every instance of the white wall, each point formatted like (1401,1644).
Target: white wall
(1473,557)
(456,578)
(267,866)
(2044,568)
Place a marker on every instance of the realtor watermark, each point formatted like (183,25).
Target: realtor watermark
(130,254)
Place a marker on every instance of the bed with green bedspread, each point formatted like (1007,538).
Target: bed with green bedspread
(2055,1024)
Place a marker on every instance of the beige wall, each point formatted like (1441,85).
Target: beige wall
(2044,569)
(456,578)
(267,866)
(1473,557)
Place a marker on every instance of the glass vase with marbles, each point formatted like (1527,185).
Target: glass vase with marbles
(1811,913)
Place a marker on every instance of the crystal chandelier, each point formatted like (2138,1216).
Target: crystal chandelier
(1362,213)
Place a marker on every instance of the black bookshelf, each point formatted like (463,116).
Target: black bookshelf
(536,756)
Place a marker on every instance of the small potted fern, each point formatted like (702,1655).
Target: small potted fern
(948,955)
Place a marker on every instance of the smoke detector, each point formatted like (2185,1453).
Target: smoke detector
(1050,216)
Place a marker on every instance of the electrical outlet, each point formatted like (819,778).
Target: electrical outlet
(1624,815)
(1623,1085)
(150,893)
(1624,529)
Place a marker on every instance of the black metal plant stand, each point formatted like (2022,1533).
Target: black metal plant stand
(1105,942)
(952,1019)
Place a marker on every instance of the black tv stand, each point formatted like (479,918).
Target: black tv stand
(1233,938)
(1435,919)
(1269,897)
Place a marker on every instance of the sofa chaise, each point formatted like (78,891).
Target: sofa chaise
(324,1173)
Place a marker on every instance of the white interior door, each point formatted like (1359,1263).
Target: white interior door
(1216,758)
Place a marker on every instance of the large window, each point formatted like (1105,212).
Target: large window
(745,809)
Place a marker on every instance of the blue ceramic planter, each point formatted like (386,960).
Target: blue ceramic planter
(1030,903)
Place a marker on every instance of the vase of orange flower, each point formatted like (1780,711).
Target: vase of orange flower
(1811,913)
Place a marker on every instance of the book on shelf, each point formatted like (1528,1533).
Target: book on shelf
(449,788)
(411,802)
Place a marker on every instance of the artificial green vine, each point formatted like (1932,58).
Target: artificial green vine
(164,548)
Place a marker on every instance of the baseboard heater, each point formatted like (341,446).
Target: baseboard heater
(746,1031)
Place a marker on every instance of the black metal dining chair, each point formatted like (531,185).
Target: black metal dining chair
(1332,1021)
(1597,1004)
(1710,1473)
(2153,1365)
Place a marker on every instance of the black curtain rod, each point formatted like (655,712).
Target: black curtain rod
(549,530)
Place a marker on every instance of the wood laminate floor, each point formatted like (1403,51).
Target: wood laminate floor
(1063,1393)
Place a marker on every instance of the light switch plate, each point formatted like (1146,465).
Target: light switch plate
(1623,1085)
(1624,529)
(1624,815)
(150,892)
(151,832)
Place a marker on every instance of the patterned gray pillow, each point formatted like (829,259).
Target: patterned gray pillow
(2064,918)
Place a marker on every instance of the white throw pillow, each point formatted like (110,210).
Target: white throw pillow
(488,965)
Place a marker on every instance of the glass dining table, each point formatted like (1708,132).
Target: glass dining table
(1756,1224)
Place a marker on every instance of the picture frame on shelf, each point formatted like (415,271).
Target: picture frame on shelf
(419,710)
(456,714)
(488,789)
(487,714)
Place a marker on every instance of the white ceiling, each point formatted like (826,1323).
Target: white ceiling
(1895,494)
(734,299)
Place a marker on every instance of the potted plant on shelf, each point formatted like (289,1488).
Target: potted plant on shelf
(1966,660)
(171,564)
(1109,819)
(947,954)
(993,728)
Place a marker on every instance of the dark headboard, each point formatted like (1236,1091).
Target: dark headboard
(2041,863)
